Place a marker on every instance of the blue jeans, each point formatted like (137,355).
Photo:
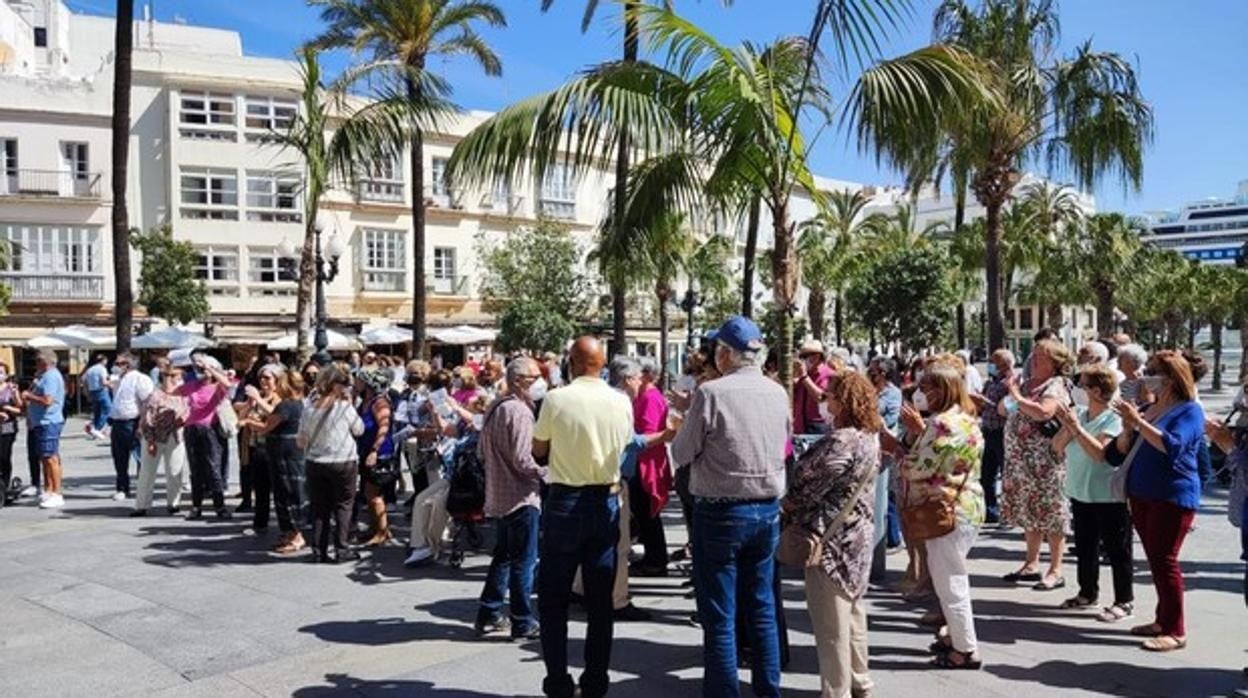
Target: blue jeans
(123,441)
(734,546)
(894,522)
(101,405)
(580,528)
(511,570)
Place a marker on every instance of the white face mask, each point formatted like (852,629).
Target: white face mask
(920,401)
(825,414)
(1080,396)
(537,391)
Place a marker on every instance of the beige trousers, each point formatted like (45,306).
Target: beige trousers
(619,594)
(429,517)
(840,625)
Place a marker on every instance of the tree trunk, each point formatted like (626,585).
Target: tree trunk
(992,274)
(751,251)
(959,218)
(664,321)
(785,278)
(1193,329)
(1215,332)
(307,281)
(1243,344)
(419,290)
(1055,316)
(1104,311)
(839,318)
(619,302)
(123,45)
(816,305)
(960,325)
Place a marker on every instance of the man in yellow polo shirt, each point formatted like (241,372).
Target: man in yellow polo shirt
(584,429)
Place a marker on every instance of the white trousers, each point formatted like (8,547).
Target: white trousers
(946,559)
(840,625)
(172,455)
(429,516)
(619,593)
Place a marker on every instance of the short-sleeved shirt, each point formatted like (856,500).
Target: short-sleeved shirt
(1087,479)
(202,398)
(49,384)
(588,424)
(94,377)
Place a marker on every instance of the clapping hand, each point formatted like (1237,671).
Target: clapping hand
(251,393)
(1127,410)
(1066,416)
(911,419)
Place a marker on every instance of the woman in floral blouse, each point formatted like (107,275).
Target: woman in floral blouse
(943,464)
(829,477)
(1035,475)
(160,426)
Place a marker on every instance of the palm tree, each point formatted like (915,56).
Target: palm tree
(1050,213)
(1105,253)
(399,36)
(1217,288)
(901,230)
(718,125)
(832,249)
(370,133)
(1083,114)
(123,48)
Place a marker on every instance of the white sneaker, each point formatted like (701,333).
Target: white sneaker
(43,496)
(29,491)
(53,501)
(418,556)
(119,496)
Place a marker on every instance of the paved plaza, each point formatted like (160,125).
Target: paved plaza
(98,604)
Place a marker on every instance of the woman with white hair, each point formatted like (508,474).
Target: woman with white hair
(1131,361)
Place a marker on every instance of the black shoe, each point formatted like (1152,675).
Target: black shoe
(138,513)
(533,633)
(195,515)
(224,514)
(647,571)
(487,626)
(244,508)
(631,613)
(347,555)
(1020,576)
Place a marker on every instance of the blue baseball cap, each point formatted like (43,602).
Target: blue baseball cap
(741,334)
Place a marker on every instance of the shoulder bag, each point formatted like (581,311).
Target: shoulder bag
(801,548)
(934,517)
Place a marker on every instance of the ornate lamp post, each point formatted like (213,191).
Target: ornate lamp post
(325,266)
(690,303)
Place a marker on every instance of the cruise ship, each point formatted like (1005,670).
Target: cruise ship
(1211,231)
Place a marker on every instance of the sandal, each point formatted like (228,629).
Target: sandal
(1022,575)
(941,645)
(1077,602)
(1045,585)
(1146,630)
(967,660)
(1115,613)
(294,545)
(378,539)
(1164,643)
(933,619)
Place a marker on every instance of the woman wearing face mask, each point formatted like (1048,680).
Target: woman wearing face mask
(464,386)
(838,473)
(1101,519)
(1035,476)
(160,428)
(10,411)
(941,470)
(1000,375)
(327,432)
(376,448)
(1163,485)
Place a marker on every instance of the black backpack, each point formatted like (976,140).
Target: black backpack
(466,496)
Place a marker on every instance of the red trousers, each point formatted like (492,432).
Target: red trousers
(1162,527)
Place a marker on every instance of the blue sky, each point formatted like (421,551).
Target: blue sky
(1191,57)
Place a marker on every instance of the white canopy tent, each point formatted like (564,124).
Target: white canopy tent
(385,334)
(74,337)
(464,334)
(337,342)
(173,337)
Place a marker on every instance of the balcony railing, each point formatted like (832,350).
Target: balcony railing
(447,285)
(54,287)
(390,191)
(51,183)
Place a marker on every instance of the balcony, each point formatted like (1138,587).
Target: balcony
(51,183)
(380,190)
(54,287)
(446,285)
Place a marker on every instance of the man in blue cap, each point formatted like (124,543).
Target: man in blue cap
(733,439)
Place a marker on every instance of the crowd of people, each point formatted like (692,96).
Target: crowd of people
(1104,444)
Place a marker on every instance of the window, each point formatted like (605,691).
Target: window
(558,193)
(1026,319)
(269,113)
(41,37)
(207,115)
(209,194)
(52,250)
(437,177)
(499,197)
(273,198)
(264,269)
(8,165)
(76,160)
(218,268)
(444,270)
(382,263)
(382,181)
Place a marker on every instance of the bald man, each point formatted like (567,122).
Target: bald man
(583,428)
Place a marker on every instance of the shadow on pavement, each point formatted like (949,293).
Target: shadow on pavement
(387,631)
(1115,678)
(343,684)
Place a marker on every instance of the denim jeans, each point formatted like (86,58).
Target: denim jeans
(511,570)
(101,405)
(580,528)
(734,546)
(122,440)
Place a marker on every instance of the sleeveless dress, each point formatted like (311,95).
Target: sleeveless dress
(1034,482)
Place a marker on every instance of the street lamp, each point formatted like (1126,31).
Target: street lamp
(325,266)
(690,303)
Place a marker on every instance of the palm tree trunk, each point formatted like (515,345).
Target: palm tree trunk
(123,290)
(1104,311)
(751,251)
(1215,332)
(419,289)
(816,305)
(307,277)
(785,278)
(960,325)
(664,321)
(838,317)
(619,302)
(992,274)
(959,218)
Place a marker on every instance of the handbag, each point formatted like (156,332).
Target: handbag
(227,419)
(801,547)
(933,518)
